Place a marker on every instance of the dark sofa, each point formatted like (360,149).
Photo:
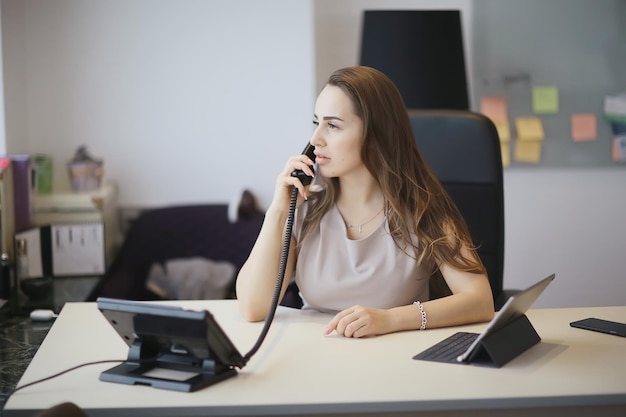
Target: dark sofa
(162,234)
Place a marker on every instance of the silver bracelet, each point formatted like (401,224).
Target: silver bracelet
(423,313)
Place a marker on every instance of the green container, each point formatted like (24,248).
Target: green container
(42,167)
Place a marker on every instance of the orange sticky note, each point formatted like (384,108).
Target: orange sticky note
(529,128)
(584,127)
(494,107)
(528,151)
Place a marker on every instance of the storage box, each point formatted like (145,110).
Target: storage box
(99,206)
(60,250)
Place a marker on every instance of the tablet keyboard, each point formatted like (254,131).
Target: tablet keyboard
(448,349)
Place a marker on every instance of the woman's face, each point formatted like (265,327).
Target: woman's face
(338,135)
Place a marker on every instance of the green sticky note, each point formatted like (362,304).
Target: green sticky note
(545,99)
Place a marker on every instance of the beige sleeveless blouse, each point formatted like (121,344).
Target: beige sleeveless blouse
(334,273)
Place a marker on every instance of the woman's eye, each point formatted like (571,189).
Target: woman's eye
(316,123)
(331,126)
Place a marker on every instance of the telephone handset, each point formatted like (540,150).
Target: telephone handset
(305,179)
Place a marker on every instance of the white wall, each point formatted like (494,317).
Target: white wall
(570,222)
(186,101)
(2,126)
(174,94)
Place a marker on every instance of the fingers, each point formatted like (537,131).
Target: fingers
(286,184)
(299,162)
(352,322)
(332,325)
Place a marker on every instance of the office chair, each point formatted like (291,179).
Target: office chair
(463,149)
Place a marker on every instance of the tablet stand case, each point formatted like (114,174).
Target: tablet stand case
(505,343)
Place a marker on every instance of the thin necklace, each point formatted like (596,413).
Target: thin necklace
(360,226)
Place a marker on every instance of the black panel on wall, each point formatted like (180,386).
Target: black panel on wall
(422,52)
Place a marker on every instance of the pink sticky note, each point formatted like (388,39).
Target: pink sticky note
(584,127)
(494,107)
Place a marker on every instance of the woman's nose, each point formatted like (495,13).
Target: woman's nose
(317,139)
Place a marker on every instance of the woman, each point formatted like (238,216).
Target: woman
(367,246)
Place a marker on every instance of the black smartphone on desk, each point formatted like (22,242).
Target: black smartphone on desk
(602,326)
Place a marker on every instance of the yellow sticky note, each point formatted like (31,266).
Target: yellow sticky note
(528,151)
(504,130)
(529,128)
(505,149)
(494,107)
(545,99)
(584,127)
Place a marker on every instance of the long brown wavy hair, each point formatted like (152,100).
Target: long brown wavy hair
(416,203)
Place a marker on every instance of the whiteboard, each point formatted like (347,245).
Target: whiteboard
(576,46)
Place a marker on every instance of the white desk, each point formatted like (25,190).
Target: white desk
(300,371)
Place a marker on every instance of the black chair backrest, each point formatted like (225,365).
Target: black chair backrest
(463,149)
